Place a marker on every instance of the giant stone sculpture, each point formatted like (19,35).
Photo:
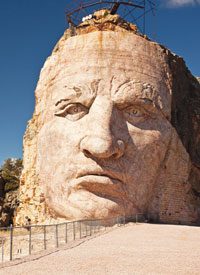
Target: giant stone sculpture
(110,134)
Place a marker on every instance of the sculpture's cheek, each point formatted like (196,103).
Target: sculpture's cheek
(145,154)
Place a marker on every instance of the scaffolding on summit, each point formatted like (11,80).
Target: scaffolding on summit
(134,11)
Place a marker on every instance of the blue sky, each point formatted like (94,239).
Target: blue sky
(29,29)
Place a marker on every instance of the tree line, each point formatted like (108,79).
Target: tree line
(10,172)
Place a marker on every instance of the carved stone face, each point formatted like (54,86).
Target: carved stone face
(106,136)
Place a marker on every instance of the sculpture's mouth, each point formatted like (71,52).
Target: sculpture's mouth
(99,179)
(101,176)
(101,183)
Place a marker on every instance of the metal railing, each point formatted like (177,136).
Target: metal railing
(20,241)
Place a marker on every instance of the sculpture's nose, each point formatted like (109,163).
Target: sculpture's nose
(99,147)
(102,138)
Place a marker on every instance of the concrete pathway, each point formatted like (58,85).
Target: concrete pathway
(133,249)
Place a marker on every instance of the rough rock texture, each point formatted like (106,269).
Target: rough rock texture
(102,20)
(103,138)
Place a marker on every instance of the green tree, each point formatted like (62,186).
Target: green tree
(11,172)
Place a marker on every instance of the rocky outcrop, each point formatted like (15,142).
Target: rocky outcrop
(186,117)
(102,21)
(115,130)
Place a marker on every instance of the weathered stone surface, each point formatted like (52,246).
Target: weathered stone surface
(102,21)
(103,138)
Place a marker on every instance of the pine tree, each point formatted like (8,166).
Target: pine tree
(11,172)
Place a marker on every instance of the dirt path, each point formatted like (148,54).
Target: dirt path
(133,249)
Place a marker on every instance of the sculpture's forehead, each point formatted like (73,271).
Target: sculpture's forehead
(112,86)
(108,59)
(109,53)
(111,62)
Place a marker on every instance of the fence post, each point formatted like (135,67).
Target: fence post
(2,249)
(80,230)
(120,221)
(45,245)
(29,240)
(11,242)
(86,229)
(99,226)
(74,233)
(57,236)
(66,233)
(90,228)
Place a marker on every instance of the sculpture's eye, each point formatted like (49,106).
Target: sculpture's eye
(134,114)
(73,111)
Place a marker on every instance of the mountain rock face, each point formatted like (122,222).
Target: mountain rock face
(115,131)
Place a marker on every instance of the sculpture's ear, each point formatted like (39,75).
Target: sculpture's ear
(171,202)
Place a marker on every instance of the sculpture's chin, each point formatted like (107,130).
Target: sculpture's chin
(82,205)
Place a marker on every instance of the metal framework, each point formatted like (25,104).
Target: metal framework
(133,11)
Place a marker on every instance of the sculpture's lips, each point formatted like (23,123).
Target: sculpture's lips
(100,179)
(100,175)
(102,183)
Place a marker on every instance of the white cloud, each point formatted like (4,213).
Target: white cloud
(182,3)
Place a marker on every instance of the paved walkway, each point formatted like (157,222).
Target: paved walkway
(133,249)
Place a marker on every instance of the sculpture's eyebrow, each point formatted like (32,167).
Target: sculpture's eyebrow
(130,98)
(137,101)
(72,93)
(64,100)
(145,100)
(84,92)
(135,93)
(84,95)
